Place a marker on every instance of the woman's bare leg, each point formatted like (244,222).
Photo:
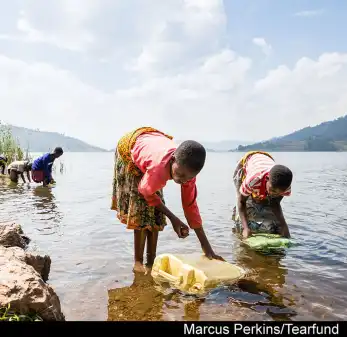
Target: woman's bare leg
(139,247)
(152,241)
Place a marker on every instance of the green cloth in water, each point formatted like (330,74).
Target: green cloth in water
(264,241)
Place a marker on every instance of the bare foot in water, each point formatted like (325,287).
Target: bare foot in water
(139,268)
(149,268)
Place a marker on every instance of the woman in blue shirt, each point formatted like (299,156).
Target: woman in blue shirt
(42,167)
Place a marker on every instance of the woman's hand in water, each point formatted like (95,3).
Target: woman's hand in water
(212,256)
(246,233)
(181,229)
(285,232)
(205,245)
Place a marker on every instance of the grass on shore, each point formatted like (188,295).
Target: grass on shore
(6,314)
(9,146)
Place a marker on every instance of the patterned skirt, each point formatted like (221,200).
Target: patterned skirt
(131,207)
(261,218)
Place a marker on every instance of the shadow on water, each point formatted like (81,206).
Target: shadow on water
(257,296)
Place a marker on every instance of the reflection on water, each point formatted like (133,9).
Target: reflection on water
(259,295)
(92,253)
(256,295)
(144,300)
(46,207)
(25,198)
(261,290)
(246,299)
(44,201)
(267,268)
(138,302)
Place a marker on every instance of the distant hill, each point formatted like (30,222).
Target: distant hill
(42,141)
(223,146)
(207,150)
(327,136)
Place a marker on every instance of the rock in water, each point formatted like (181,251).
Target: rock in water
(42,264)
(23,278)
(11,235)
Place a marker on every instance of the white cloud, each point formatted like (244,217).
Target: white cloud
(214,101)
(149,31)
(189,31)
(310,13)
(180,77)
(265,47)
(61,39)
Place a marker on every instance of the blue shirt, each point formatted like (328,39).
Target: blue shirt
(45,164)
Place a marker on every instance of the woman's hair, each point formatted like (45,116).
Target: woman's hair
(281,177)
(58,150)
(191,154)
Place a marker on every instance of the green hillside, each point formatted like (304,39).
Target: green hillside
(327,136)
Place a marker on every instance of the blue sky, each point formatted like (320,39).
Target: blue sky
(294,28)
(203,69)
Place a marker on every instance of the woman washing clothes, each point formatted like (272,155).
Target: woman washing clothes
(145,159)
(260,187)
(17,168)
(42,167)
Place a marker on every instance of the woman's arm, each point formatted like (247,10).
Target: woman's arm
(277,209)
(181,229)
(242,209)
(205,245)
(192,214)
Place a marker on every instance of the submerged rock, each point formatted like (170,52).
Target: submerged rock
(23,277)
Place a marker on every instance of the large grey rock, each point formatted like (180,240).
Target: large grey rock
(23,278)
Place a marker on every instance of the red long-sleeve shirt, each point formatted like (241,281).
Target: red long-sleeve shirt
(151,154)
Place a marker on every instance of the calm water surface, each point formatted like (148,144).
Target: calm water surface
(92,253)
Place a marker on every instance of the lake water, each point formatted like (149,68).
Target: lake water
(92,253)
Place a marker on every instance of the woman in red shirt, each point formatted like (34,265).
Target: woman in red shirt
(145,160)
(260,187)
